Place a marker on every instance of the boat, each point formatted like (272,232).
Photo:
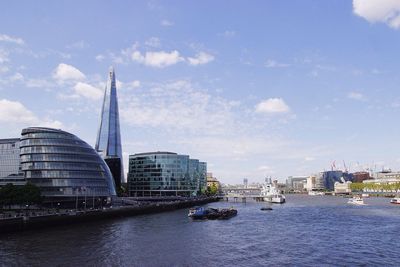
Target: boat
(271,194)
(200,213)
(364,195)
(395,200)
(266,208)
(356,200)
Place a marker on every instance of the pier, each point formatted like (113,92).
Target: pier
(242,198)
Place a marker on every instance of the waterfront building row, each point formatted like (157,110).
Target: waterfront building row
(165,174)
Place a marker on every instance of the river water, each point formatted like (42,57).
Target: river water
(306,231)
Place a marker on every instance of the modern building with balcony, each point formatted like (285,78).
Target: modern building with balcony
(64,167)
(165,174)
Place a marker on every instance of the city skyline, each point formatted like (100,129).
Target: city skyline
(270,89)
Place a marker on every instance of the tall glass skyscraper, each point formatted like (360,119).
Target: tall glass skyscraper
(108,143)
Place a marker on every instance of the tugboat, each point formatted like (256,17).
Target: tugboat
(271,194)
(200,213)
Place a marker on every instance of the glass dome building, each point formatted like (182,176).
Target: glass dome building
(64,166)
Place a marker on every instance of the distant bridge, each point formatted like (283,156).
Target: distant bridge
(242,197)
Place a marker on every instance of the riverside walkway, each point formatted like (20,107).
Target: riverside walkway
(21,220)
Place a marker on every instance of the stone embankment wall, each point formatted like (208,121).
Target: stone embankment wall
(24,223)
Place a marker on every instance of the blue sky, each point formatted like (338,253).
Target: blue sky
(254,88)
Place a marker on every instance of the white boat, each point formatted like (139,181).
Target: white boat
(356,200)
(364,195)
(395,200)
(271,194)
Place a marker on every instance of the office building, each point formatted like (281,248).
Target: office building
(296,183)
(359,177)
(330,177)
(165,174)
(108,143)
(10,169)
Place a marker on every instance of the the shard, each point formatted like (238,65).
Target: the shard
(108,143)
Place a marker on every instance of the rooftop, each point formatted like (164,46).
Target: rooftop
(153,153)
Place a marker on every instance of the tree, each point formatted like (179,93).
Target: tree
(30,194)
(8,195)
(213,189)
(20,195)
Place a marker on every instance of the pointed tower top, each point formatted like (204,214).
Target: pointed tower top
(111,72)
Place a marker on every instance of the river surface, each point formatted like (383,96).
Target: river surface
(306,231)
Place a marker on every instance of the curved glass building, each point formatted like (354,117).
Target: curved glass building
(165,174)
(63,165)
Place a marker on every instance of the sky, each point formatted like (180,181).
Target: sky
(255,89)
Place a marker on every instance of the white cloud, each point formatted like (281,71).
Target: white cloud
(356,96)
(153,42)
(4,56)
(13,111)
(159,59)
(309,158)
(132,85)
(200,58)
(10,39)
(51,124)
(78,45)
(135,83)
(264,168)
(176,105)
(4,69)
(274,64)
(38,83)
(166,23)
(386,11)
(65,72)
(16,113)
(100,57)
(228,34)
(272,105)
(17,77)
(88,91)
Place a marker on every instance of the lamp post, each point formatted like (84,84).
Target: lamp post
(76,203)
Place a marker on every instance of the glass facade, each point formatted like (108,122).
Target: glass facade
(63,165)
(10,171)
(108,142)
(165,174)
